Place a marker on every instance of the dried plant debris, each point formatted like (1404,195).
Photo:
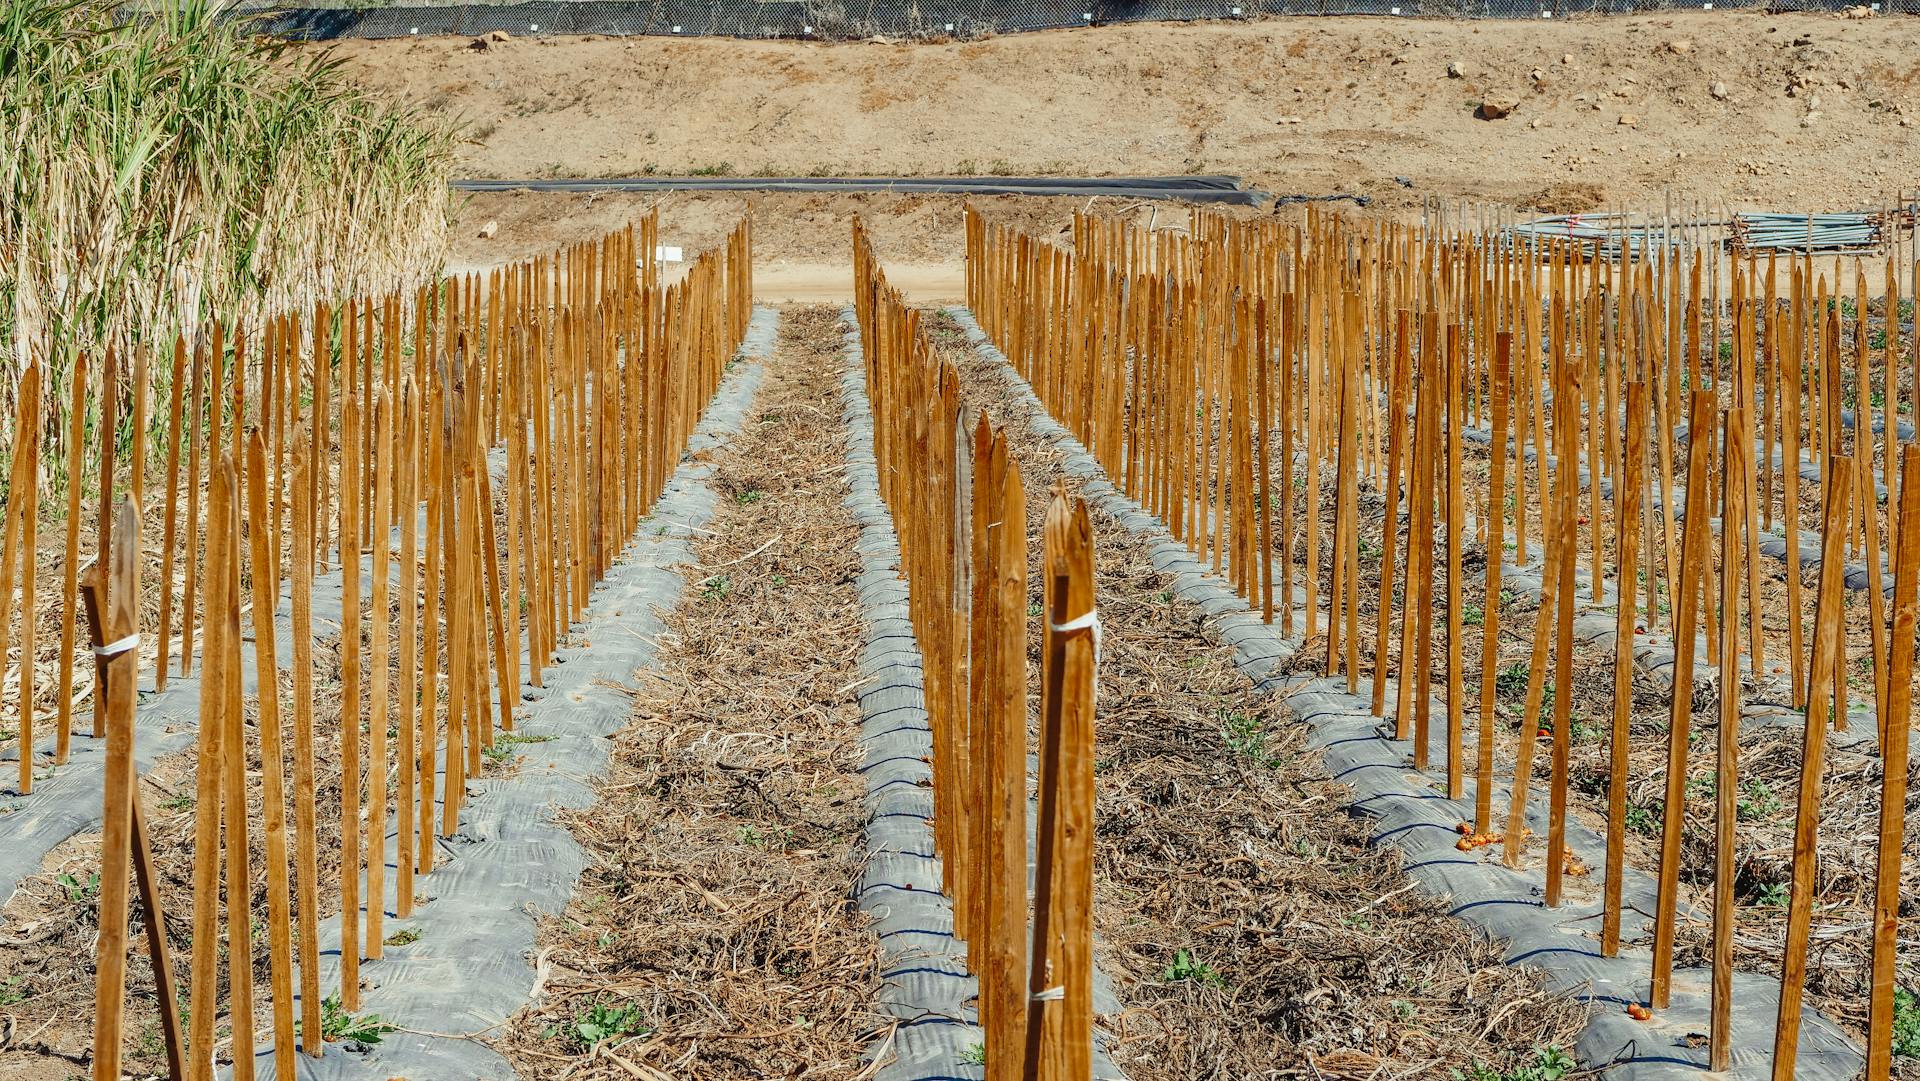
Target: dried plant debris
(712,935)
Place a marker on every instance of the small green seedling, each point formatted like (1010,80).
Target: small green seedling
(717,588)
(404,937)
(603,1021)
(975,1054)
(336,1024)
(1906,1023)
(80,892)
(1186,967)
(1549,1064)
(748,497)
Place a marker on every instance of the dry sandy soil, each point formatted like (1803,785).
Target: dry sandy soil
(1300,105)
(1790,111)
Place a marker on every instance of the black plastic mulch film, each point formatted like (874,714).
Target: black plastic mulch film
(836,19)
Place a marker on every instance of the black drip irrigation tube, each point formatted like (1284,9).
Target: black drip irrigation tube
(1411,812)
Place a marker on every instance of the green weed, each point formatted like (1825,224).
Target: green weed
(1246,738)
(337,1024)
(1906,1023)
(1186,967)
(1549,1064)
(80,892)
(600,1022)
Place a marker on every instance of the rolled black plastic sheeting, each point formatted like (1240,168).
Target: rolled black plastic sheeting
(1228,190)
(925,19)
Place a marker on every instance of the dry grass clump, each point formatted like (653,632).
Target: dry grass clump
(712,935)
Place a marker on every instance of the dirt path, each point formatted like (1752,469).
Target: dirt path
(711,936)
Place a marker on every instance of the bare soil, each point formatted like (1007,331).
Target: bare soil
(1776,110)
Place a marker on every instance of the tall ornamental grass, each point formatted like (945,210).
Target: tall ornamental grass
(161,172)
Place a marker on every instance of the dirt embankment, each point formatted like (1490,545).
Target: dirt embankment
(1811,111)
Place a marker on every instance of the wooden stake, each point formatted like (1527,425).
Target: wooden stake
(176,390)
(1893,775)
(350,856)
(272,777)
(209,801)
(116,820)
(1059,1043)
(1685,610)
(305,818)
(70,565)
(22,513)
(1495,549)
(1626,547)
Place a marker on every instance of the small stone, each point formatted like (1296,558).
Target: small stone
(1860,11)
(488,230)
(1537,123)
(1495,109)
(1456,70)
(1906,121)
(1536,74)
(1719,91)
(1566,58)
(1628,120)
(1807,120)
(1680,47)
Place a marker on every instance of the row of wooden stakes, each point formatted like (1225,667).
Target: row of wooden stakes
(590,375)
(959,507)
(1220,375)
